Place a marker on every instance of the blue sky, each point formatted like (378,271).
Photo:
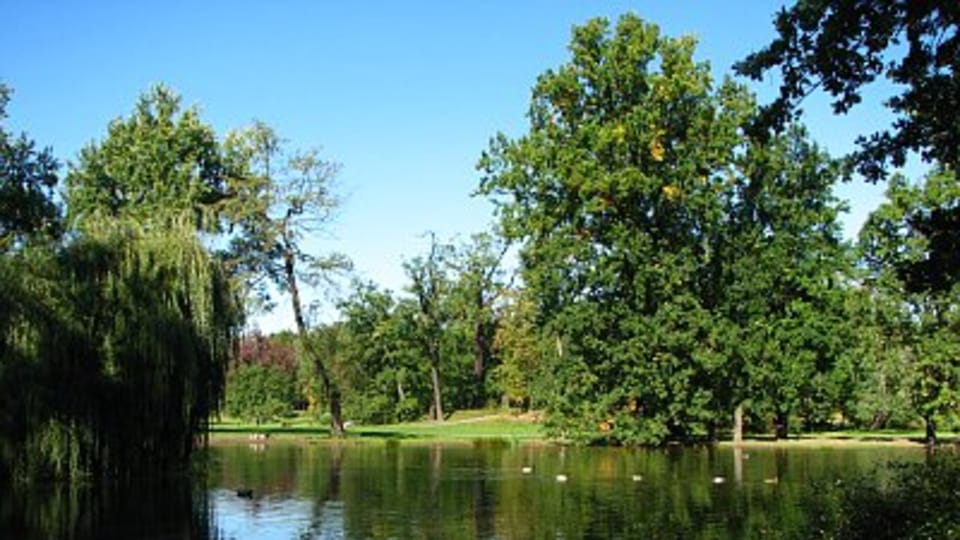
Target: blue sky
(404,94)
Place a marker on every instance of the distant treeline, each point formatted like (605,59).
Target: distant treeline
(681,269)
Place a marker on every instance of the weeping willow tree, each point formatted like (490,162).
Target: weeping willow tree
(112,351)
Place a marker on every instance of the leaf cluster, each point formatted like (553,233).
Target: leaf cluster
(841,47)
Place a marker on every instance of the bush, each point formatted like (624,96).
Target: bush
(900,501)
(259,393)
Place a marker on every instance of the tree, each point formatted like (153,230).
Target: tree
(114,341)
(480,283)
(840,47)
(27,180)
(874,371)
(614,193)
(160,162)
(277,383)
(783,268)
(284,198)
(113,349)
(910,246)
(519,376)
(430,286)
(385,375)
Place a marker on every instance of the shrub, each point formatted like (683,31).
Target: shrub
(259,393)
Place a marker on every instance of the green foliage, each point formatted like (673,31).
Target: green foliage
(902,501)
(681,267)
(431,286)
(910,258)
(113,344)
(615,191)
(159,161)
(430,353)
(874,372)
(523,376)
(27,180)
(783,276)
(260,393)
(479,284)
(839,47)
(112,352)
(387,380)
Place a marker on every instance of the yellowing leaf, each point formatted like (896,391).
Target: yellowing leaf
(671,192)
(656,150)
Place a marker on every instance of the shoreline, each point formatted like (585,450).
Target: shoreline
(229,438)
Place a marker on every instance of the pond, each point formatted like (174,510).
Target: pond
(293,490)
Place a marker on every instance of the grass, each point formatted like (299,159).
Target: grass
(461,426)
(496,424)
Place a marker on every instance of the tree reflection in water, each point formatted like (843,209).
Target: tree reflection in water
(168,509)
(466,490)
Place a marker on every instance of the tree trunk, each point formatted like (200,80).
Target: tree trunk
(437,398)
(738,464)
(782,426)
(479,361)
(331,392)
(931,428)
(738,425)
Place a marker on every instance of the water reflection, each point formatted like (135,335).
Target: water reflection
(134,510)
(461,491)
(481,491)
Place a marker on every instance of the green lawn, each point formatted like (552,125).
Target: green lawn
(466,425)
(497,424)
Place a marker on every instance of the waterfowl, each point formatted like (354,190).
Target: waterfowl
(561,478)
(245,493)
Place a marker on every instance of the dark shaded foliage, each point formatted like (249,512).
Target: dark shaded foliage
(27,180)
(841,46)
(112,353)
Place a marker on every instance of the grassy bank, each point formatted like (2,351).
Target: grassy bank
(491,424)
(461,426)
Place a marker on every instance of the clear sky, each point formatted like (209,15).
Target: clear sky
(405,95)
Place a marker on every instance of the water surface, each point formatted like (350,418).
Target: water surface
(479,490)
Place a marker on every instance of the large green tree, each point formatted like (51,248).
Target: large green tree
(614,192)
(874,372)
(283,198)
(522,373)
(114,342)
(387,379)
(160,162)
